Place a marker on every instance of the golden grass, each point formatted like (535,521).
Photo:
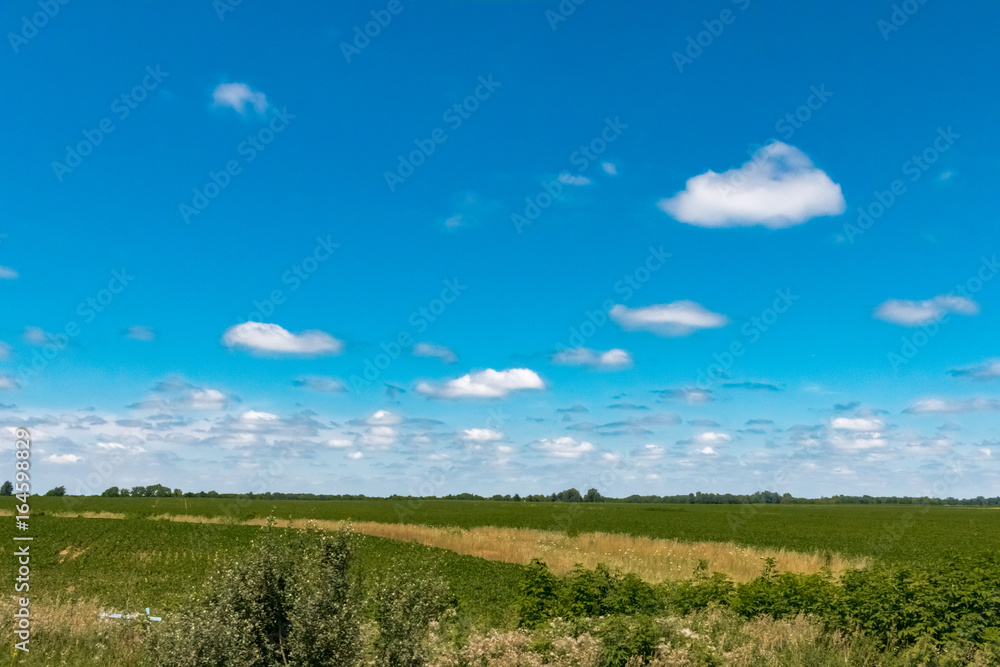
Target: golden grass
(654,560)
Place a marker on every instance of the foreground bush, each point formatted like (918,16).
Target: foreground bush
(291,601)
(937,609)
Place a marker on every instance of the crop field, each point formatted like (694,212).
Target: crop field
(888,533)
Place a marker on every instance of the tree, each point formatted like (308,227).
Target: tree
(569,496)
(178,494)
(7,489)
(113,492)
(58,491)
(593,496)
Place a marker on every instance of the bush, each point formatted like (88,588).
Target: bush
(404,609)
(290,602)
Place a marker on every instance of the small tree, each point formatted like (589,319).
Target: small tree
(593,496)
(7,489)
(58,491)
(113,492)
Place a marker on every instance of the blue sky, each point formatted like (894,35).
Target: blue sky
(503,247)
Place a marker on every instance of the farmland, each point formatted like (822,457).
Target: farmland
(82,565)
(889,533)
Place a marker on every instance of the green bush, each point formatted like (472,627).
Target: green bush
(404,608)
(291,601)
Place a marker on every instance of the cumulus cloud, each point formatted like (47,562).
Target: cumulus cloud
(778,187)
(435,351)
(857,424)
(321,383)
(63,458)
(180,395)
(7,383)
(137,332)
(987,370)
(609,168)
(484,384)
(563,448)
(930,406)
(919,313)
(237,95)
(36,336)
(679,318)
(7,273)
(712,438)
(481,435)
(272,339)
(584,356)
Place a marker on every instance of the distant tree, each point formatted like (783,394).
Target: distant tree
(593,496)
(58,491)
(178,494)
(516,498)
(113,492)
(124,493)
(139,492)
(570,496)
(6,489)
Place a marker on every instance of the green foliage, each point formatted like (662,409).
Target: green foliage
(290,601)
(536,599)
(626,637)
(113,492)
(6,489)
(58,491)
(404,608)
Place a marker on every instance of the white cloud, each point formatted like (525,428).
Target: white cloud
(570,179)
(946,406)
(712,438)
(384,417)
(63,458)
(778,187)
(137,332)
(707,451)
(857,424)
(435,351)
(584,356)
(988,370)
(7,383)
(236,96)
(649,453)
(203,399)
(484,384)
(563,448)
(355,455)
(679,318)
(919,313)
(339,443)
(36,336)
(609,168)
(4,351)
(273,339)
(255,416)
(7,273)
(481,435)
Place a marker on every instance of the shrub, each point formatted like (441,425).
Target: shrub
(290,602)
(536,600)
(404,609)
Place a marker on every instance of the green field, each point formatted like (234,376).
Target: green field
(888,533)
